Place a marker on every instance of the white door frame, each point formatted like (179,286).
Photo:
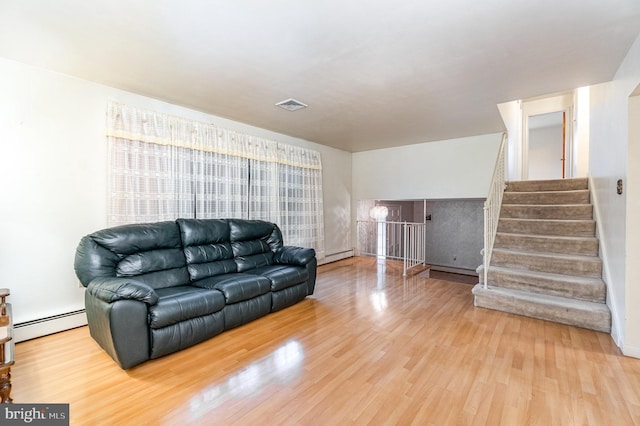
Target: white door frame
(560,103)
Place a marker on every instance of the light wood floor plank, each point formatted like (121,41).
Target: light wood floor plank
(370,347)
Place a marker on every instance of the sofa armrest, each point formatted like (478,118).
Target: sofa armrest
(109,289)
(290,255)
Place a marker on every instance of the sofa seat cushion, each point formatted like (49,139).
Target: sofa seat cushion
(176,304)
(282,276)
(236,287)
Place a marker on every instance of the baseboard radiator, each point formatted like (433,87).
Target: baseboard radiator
(41,327)
(334,257)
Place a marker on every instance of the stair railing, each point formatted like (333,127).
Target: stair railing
(402,241)
(492,207)
(415,246)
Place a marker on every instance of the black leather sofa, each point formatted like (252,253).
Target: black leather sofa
(156,288)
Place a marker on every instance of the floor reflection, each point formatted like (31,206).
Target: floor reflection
(281,366)
(379,295)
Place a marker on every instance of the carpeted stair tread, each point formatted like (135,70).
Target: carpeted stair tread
(563,256)
(547,211)
(567,227)
(547,197)
(580,313)
(569,264)
(587,246)
(583,288)
(547,185)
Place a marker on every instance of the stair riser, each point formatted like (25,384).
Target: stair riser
(574,212)
(573,197)
(586,290)
(585,228)
(546,185)
(528,262)
(586,246)
(599,321)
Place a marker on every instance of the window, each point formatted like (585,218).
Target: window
(164,167)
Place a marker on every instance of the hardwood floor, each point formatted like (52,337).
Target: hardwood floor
(370,347)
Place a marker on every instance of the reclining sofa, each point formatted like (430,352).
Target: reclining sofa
(156,288)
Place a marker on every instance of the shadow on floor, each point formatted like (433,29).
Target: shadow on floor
(458,278)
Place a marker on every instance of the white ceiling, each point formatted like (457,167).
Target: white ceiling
(374,73)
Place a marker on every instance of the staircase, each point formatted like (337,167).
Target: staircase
(545,261)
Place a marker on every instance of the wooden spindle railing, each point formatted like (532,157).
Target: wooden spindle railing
(492,208)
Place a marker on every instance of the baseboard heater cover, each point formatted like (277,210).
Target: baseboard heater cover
(44,326)
(334,257)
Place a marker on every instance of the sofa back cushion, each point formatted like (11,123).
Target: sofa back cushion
(207,247)
(253,242)
(150,252)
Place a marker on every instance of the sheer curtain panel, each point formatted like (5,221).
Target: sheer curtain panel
(164,167)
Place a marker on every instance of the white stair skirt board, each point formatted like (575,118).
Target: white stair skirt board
(50,325)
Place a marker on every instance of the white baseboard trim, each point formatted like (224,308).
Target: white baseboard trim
(632,351)
(50,325)
(336,256)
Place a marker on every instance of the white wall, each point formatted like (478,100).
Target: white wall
(632,299)
(581,132)
(545,151)
(511,113)
(452,169)
(608,152)
(457,168)
(443,170)
(53,171)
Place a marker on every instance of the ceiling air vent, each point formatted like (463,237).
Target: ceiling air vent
(291,104)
